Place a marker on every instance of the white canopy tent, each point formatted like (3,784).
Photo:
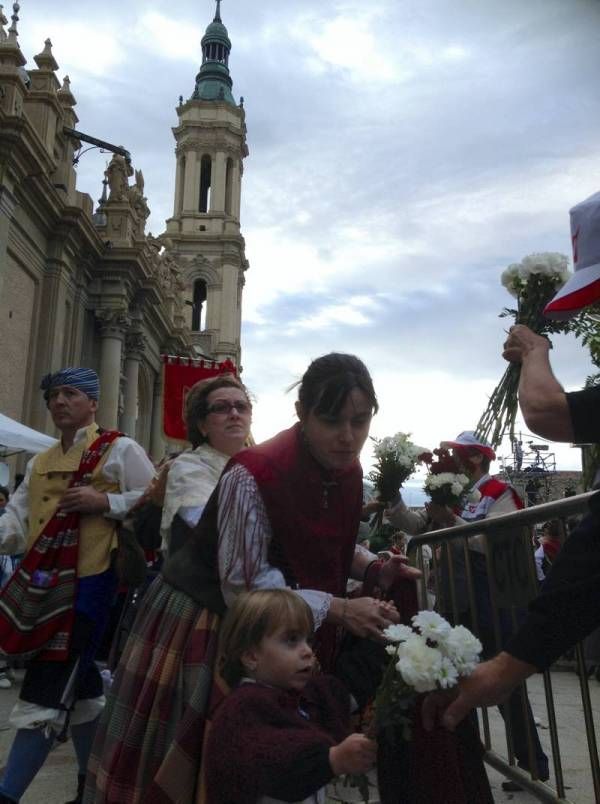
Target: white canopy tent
(17,437)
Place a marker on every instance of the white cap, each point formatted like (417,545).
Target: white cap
(584,286)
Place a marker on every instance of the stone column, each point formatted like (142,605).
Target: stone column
(157,442)
(134,347)
(112,335)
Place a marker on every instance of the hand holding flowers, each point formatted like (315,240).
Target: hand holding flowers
(533,282)
(396,459)
(430,655)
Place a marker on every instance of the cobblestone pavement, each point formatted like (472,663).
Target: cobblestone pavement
(56,782)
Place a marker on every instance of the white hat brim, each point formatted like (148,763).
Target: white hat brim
(582,289)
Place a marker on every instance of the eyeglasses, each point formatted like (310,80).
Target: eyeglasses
(225,407)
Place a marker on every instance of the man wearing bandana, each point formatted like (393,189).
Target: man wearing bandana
(81,487)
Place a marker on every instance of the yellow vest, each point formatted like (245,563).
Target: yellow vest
(50,477)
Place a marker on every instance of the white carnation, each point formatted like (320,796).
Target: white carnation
(448,674)
(398,633)
(419,665)
(400,448)
(510,279)
(463,649)
(548,263)
(457,482)
(431,625)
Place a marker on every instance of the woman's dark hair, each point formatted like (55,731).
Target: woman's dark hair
(5,492)
(196,404)
(329,379)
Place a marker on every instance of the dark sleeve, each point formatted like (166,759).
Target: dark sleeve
(146,525)
(180,533)
(584,407)
(253,751)
(360,667)
(331,711)
(568,607)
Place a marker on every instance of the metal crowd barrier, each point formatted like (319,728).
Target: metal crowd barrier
(497,554)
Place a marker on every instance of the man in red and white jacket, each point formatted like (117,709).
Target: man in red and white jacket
(497,497)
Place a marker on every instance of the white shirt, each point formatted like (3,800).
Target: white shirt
(126,464)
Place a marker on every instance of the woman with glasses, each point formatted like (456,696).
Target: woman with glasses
(218,414)
(284,514)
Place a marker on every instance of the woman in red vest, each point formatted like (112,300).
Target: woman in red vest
(285,514)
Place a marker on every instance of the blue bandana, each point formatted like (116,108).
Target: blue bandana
(84,379)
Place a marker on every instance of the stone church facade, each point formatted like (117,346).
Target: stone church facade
(92,287)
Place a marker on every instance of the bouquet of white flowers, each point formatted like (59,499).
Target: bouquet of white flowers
(446,483)
(396,459)
(430,655)
(533,282)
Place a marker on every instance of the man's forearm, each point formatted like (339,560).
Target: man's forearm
(542,398)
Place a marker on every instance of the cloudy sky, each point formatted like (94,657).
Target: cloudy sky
(402,153)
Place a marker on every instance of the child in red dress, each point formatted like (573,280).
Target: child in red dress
(283,733)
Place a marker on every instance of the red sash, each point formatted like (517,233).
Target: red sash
(37,605)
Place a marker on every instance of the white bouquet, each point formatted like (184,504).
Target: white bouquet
(446,483)
(396,459)
(549,265)
(533,282)
(430,655)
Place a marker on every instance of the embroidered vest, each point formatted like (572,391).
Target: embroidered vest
(50,477)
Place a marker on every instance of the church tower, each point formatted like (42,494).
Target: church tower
(203,236)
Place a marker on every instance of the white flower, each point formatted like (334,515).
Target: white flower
(510,279)
(457,482)
(431,625)
(418,664)
(398,633)
(391,649)
(448,675)
(549,263)
(400,448)
(463,649)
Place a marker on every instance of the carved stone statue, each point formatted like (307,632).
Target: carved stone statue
(117,174)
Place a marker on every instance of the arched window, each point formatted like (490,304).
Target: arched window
(205,182)
(229,186)
(198,306)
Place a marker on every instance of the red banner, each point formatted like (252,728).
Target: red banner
(179,375)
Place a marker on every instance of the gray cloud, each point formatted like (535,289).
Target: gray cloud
(403,153)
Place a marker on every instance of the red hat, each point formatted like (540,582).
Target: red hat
(584,286)
(468,439)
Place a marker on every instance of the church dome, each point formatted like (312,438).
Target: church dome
(213,82)
(217,32)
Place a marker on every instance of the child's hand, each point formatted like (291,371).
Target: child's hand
(355,754)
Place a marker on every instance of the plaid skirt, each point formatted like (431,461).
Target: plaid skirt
(148,746)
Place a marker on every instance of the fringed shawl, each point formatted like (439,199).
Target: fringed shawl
(191,480)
